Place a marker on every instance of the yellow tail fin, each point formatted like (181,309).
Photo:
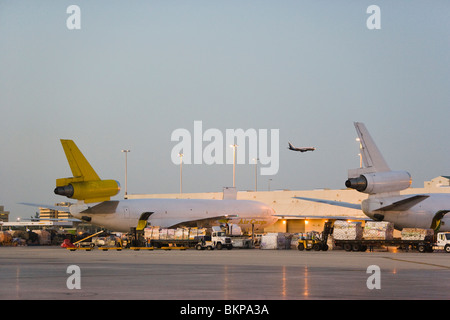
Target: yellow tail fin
(78,164)
(85,184)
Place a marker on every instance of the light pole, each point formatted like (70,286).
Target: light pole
(126,174)
(181,172)
(234,146)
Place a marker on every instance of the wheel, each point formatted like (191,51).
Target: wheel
(325,247)
(422,248)
(198,246)
(447,248)
(317,247)
(209,248)
(219,246)
(347,247)
(301,247)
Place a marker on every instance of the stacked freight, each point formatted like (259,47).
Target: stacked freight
(158,237)
(378,230)
(276,241)
(344,230)
(417,234)
(380,234)
(157,233)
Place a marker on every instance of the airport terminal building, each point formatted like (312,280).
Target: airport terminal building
(286,204)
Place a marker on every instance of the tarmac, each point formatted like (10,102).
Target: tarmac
(47,273)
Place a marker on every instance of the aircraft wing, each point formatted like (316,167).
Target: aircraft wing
(333,203)
(52,219)
(331,217)
(38,205)
(404,204)
(103,207)
(308,217)
(203,222)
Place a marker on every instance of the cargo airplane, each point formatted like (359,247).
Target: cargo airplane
(385,203)
(94,204)
(291,147)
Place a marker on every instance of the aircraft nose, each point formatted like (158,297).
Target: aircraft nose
(270,211)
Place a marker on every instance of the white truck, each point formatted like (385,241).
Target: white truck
(442,242)
(218,240)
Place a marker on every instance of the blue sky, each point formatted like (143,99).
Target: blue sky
(138,70)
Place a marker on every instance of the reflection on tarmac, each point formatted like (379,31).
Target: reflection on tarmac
(40,273)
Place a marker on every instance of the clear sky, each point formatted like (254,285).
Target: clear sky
(138,70)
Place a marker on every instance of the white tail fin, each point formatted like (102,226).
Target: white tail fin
(376,176)
(372,157)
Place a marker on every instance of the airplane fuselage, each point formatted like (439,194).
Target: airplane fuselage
(419,216)
(124,214)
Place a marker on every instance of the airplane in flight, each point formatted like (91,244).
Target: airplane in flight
(291,147)
(94,204)
(385,203)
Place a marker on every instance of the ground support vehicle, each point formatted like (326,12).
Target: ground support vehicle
(363,245)
(87,244)
(108,241)
(217,240)
(427,245)
(242,242)
(314,241)
(442,242)
(312,244)
(166,243)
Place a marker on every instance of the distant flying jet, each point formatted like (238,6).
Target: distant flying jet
(291,147)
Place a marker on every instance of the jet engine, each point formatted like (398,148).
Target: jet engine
(90,191)
(379,182)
